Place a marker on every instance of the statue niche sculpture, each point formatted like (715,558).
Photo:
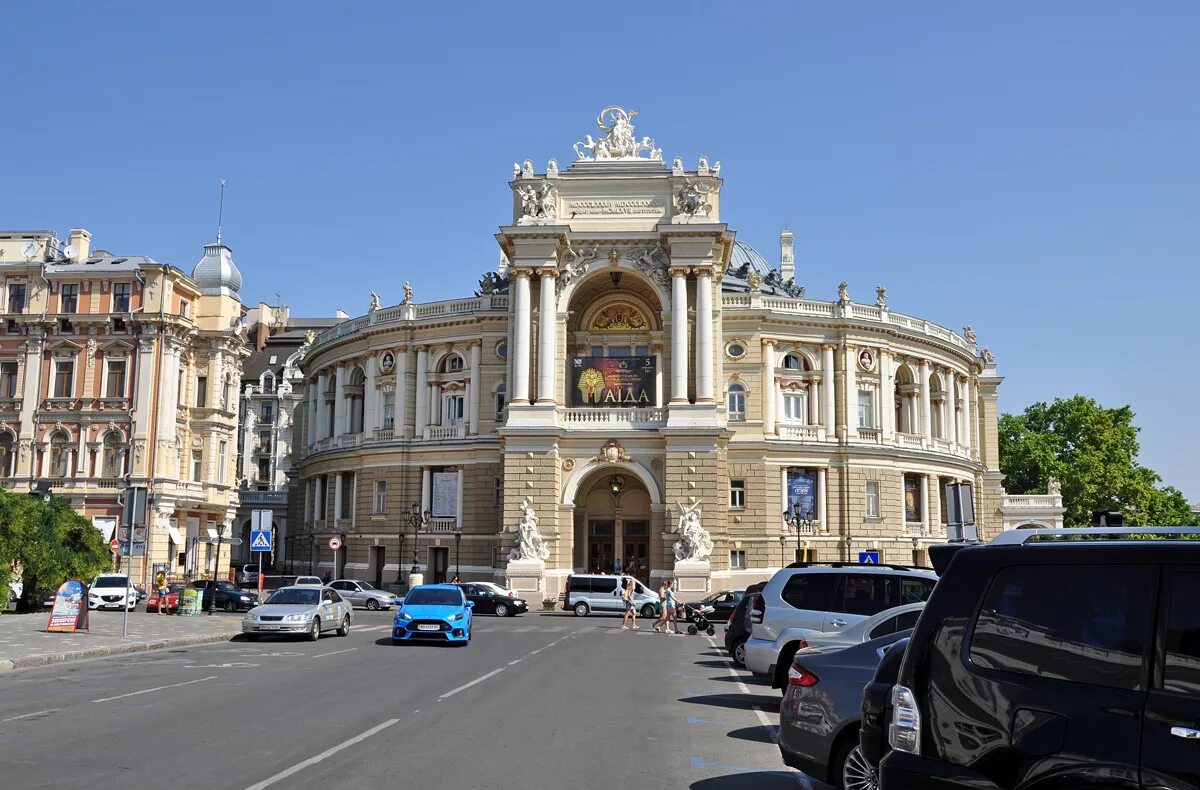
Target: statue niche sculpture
(694,544)
(529,541)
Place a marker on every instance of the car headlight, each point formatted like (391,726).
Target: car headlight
(404,616)
(93,595)
(246,598)
(251,618)
(454,617)
(295,617)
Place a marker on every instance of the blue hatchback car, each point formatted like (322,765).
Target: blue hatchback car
(433,612)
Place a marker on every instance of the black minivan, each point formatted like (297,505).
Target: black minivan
(1054,659)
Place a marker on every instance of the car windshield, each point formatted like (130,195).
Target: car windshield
(298,597)
(111,581)
(365,586)
(489,587)
(421,597)
(227,587)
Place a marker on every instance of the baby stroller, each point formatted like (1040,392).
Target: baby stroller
(699,619)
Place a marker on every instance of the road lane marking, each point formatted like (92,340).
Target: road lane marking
(335,652)
(518,661)
(362,629)
(476,681)
(318,758)
(156,688)
(30,715)
(762,717)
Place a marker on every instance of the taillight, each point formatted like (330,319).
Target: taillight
(803,645)
(904,733)
(758,609)
(799,676)
(510,593)
(729,624)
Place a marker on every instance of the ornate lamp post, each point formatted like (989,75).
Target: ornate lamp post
(803,524)
(417,519)
(783,550)
(457,544)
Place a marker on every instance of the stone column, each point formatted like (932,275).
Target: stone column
(827,390)
(925,504)
(547,323)
(308,501)
(371,410)
(322,407)
(951,411)
(401,426)
(521,339)
(337,497)
(458,499)
(658,374)
(814,403)
(314,415)
(850,395)
(768,386)
(679,335)
(823,500)
(81,454)
(968,416)
(339,401)
(704,336)
(926,410)
(421,390)
(318,506)
(887,396)
(425,490)
(473,387)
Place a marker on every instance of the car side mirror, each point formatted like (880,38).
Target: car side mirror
(470,604)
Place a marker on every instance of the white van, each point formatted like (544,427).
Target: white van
(588,592)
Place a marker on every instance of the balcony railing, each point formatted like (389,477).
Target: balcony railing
(408,312)
(264,497)
(442,525)
(869,434)
(913,440)
(442,432)
(653,417)
(1033,501)
(797,432)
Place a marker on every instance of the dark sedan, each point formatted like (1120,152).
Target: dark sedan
(723,604)
(737,630)
(224,595)
(491,599)
(822,708)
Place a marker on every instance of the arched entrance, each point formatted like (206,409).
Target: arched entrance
(613,517)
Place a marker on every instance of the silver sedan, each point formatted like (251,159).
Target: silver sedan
(309,611)
(363,594)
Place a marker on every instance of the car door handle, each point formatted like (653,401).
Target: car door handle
(1186,732)
(839,623)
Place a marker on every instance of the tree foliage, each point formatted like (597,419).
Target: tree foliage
(47,543)
(1092,451)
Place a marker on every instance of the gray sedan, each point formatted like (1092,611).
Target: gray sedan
(363,594)
(309,611)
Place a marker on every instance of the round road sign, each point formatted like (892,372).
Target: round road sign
(113,545)
(335,544)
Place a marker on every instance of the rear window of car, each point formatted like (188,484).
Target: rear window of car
(810,591)
(581,584)
(901,622)
(1080,623)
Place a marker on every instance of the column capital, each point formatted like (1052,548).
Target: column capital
(420,347)
(768,341)
(925,363)
(656,348)
(401,349)
(547,273)
(475,343)
(519,271)
(678,271)
(827,347)
(703,271)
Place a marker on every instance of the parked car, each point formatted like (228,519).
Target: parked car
(587,593)
(307,610)
(1067,656)
(363,594)
(737,630)
(248,574)
(821,709)
(308,581)
(496,588)
(437,612)
(723,604)
(141,593)
(823,597)
(493,599)
(111,591)
(223,595)
(169,602)
(877,708)
(761,655)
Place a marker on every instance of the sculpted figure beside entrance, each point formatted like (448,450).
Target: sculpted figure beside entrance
(694,544)
(529,541)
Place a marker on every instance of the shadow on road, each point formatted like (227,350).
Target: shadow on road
(767,703)
(759,780)
(757,733)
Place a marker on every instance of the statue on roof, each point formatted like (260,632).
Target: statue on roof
(408,293)
(375,303)
(618,141)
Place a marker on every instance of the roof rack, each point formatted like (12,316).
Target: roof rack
(861,565)
(1018,537)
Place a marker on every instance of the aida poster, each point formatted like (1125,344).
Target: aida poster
(613,381)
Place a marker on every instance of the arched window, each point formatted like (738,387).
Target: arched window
(113,461)
(735,402)
(8,454)
(268,383)
(60,454)
(792,362)
(455,363)
(501,400)
(354,394)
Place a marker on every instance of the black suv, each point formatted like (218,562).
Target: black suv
(1054,659)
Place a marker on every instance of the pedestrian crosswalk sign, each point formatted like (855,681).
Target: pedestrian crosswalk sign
(260,541)
(868,557)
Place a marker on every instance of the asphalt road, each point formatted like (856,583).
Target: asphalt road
(537,701)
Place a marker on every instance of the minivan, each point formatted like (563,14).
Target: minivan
(587,593)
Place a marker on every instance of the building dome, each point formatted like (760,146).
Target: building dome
(743,254)
(215,273)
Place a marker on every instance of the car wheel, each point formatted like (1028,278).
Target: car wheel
(582,609)
(372,605)
(739,653)
(230,606)
(315,633)
(648,611)
(501,610)
(344,630)
(856,773)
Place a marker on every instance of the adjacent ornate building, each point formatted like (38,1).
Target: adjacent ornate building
(636,385)
(120,370)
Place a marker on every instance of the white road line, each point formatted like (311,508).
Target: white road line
(362,629)
(318,758)
(156,688)
(335,652)
(762,716)
(466,686)
(30,715)
(518,661)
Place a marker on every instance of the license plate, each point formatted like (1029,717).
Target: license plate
(427,627)
(269,627)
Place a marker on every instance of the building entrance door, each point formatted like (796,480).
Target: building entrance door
(637,550)
(377,563)
(439,563)
(600,547)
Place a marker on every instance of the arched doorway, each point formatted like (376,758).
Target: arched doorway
(613,518)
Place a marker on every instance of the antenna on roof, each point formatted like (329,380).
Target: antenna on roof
(220,210)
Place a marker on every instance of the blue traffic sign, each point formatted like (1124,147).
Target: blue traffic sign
(868,557)
(260,541)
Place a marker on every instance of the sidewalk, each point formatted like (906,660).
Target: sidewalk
(24,644)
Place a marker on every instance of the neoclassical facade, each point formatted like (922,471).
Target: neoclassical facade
(630,359)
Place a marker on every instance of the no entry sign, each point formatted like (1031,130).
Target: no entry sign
(335,544)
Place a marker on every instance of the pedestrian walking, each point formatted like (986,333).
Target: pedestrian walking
(672,623)
(617,567)
(630,608)
(661,623)
(160,586)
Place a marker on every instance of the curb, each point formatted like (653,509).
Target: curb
(45,659)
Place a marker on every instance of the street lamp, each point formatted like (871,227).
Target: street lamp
(783,550)
(457,543)
(803,524)
(400,555)
(418,520)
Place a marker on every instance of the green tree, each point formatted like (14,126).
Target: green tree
(49,542)
(1092,451)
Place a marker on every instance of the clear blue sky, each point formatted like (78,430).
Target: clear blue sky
(1032,169)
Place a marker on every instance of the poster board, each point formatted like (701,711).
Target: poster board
(445,494)
(190,600)
(69,613)
(613,382)
(802,493)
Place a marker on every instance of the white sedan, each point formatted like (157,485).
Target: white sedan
(309,611)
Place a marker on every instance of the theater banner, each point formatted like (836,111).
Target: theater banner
(801,493)
(612,381)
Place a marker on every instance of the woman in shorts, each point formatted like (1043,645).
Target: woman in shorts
(630,607)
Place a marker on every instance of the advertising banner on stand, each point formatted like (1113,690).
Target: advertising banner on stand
(612,382)
(802,493)
(189,601)
(70,612)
